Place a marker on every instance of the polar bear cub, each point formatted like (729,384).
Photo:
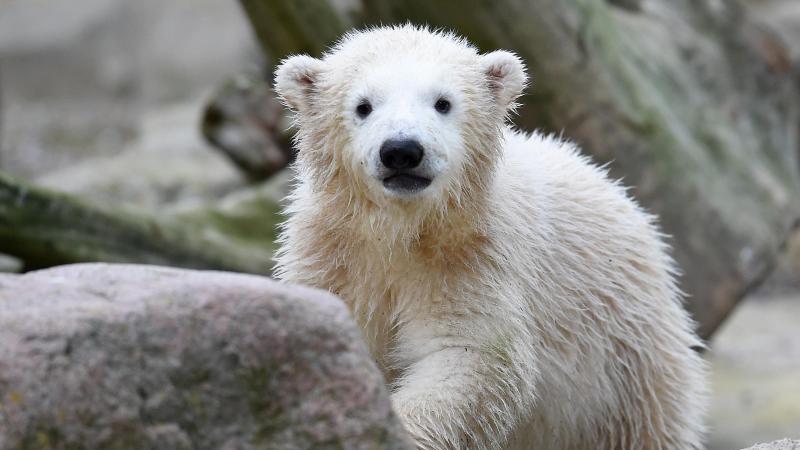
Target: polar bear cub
(513,295)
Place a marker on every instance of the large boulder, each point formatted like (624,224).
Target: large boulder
(142,357)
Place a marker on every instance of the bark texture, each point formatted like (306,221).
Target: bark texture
(45,228)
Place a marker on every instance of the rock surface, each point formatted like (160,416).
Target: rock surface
(783,444)
(142,357)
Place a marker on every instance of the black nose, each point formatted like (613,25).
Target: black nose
(401,154)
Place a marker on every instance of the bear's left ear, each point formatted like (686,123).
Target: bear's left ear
(295,80)
(505,72)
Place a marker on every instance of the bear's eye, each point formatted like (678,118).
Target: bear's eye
(363,109)
(442,106)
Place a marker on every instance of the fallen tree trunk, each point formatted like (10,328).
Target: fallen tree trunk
(45,228)
(693,105)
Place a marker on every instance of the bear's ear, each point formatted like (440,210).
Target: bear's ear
(295,80)
(506,74)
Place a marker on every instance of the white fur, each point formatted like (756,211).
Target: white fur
(521,301)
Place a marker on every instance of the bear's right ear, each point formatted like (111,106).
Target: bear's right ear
(295,80)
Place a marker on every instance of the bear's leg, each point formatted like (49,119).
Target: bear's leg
(461,397)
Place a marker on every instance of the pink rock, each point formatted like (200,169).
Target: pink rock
(142,357)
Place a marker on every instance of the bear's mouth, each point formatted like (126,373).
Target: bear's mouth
(406,182)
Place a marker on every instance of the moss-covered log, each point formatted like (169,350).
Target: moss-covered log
(45,228)
(691,103)
(287,27)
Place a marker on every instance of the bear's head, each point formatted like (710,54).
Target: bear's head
(400,115)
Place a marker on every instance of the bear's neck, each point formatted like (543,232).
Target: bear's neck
(338,223)
(403,226)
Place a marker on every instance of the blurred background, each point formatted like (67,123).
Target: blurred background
(146,132)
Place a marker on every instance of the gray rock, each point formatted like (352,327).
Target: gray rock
(141,357)
(783,444)
(167,165)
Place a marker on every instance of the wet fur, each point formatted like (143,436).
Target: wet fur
(529,303)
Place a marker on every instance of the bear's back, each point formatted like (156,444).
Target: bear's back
(601,288)
(579,233)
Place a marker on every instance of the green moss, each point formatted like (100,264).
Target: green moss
(45,228)
(269,414)
(42,438)
(195,402)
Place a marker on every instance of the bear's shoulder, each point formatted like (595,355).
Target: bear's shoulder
(551,183)
(549,164)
